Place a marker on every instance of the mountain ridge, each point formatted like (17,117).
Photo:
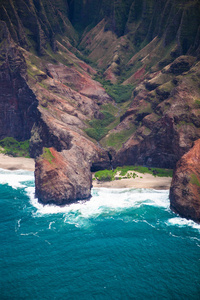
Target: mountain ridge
(118,87)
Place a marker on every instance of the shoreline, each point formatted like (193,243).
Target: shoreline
(146,181)
(16,163)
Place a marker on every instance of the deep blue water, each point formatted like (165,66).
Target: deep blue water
(122,244)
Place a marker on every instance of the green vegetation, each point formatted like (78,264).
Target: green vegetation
(110,108)
(117,139)
(84,56)
(48,155)
(184,123)
(110,119)
(109,175)
(14,148)
(99,126)
(194,180)
(120,93)
(154,171)
(197,103)
(105,175)
(146,109)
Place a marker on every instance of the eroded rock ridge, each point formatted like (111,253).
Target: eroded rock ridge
(118,86)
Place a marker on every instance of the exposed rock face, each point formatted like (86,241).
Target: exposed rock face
(165,114)
(185,187)
(64,177)
(18,104)
(42,19)
(48,93)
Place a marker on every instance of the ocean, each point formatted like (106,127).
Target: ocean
(121,244)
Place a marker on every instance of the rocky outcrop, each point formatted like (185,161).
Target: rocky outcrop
(49,93)
(34,24)
(64,177)
(164,115)
(64,158)
(18,104)
(185,187)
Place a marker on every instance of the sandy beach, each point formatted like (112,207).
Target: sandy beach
(16,163)
(146,181)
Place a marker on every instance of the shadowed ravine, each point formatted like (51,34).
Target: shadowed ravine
(81,79)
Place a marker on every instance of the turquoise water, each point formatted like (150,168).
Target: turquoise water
(122,244)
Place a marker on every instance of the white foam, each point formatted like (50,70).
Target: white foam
(50,224)
(30,233)
(104,201)
(15,179)
(181,222)
(17,226)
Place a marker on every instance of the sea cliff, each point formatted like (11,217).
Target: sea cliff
(116,87)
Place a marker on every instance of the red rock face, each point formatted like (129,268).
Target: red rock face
(58,181)
(185,187)
(53,92)
(64,177)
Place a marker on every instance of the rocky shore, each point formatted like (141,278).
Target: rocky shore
(121,91)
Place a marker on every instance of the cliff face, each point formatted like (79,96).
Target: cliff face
(18,104)
(185,188)
(165,113)
(51,54)
(33,24)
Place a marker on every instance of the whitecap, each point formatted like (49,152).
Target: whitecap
(50,224)
(30,233)
(103,201)
(181,222)
(18,225)
(16,179)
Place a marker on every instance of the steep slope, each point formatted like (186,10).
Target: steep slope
(153,34)
(185,188)
(145,110)
(53,115)
(18,104)
(165,113)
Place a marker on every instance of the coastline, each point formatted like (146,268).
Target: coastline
(16,163)
(146,181)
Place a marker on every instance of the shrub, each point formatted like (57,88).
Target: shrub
(140,169)
(120,93)
(194,180)
(105,175)
(14,148)
(99,129)
(197,103)
(48,155)
(117,139)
